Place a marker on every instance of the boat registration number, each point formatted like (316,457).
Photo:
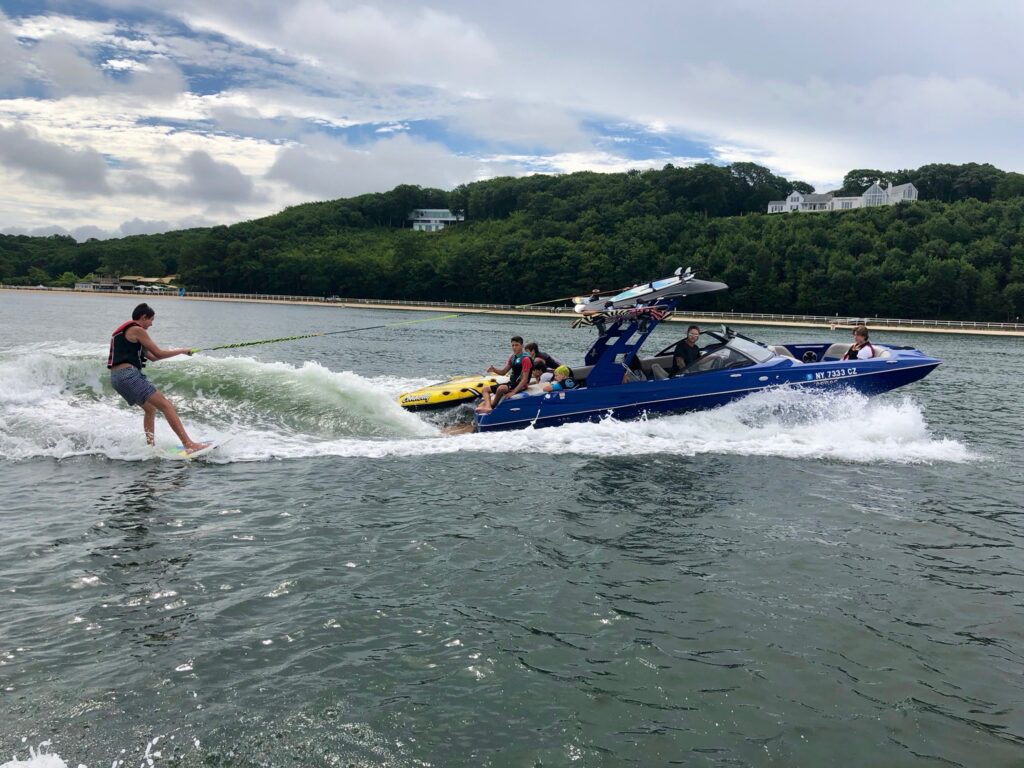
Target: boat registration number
(835,373)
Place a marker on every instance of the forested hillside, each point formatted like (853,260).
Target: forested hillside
(957,254)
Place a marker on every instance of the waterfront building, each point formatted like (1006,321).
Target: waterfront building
(136,283)
(797,202)
(432,219)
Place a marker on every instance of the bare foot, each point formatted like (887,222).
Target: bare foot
(193,447)
(458,429)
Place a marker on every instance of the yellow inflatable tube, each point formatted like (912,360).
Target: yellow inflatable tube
(461,389)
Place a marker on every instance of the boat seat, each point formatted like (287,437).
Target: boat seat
(658,372)
(647,364)
(836,351)
(579,375)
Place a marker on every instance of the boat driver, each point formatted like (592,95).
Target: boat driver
(517,367)
(686,351)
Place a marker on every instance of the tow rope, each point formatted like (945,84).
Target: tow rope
(238,344)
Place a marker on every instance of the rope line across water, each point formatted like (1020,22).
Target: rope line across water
(238,344)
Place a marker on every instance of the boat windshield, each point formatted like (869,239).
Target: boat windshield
(719,360)
(735,353)
(750,349)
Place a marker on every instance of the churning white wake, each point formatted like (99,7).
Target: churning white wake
(58,403)
(37,758)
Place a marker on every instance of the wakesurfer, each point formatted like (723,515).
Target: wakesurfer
(130,348)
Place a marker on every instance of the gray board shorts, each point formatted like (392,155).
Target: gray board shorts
(131,384)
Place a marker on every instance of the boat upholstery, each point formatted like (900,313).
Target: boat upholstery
(837,351)
(579,375)
(662,361)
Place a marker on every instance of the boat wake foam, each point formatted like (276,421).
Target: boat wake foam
(58,403)
(37,758)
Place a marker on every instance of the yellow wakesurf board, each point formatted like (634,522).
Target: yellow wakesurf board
(447,394)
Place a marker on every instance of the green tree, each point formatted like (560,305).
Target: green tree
(859,179)
(1010,186)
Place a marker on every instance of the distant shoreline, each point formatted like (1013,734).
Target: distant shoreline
(844,323)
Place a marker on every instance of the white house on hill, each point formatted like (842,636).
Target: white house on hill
(873,195)
(432,219)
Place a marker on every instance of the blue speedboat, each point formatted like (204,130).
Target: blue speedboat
(615,380)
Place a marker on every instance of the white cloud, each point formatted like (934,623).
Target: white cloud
(407,44)
(146,174)
(158,80)
(893,122)
(62,58)
(213,181)
(809,96)
(65,69)
(571,162)
(134,226)
(123,65)
(74,171)
(43,27)
(522,124)
(11,57)
(138,226)
(330,168)
(89,232)
(393,128)
(246,121)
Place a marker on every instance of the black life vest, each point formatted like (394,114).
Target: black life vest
(124,351)
(546,361)
(516,371)
(855,351)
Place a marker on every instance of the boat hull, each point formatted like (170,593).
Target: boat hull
(703,391)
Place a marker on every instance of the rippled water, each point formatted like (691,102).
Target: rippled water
(795,579)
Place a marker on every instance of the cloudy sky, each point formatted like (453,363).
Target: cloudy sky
(128,116)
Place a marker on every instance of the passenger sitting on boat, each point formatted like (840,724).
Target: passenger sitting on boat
(517,367)
(562,380)
(635,371)
(861,348)
(542,363)
(686,351)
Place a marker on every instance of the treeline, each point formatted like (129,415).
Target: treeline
(535,238)
(942,181)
